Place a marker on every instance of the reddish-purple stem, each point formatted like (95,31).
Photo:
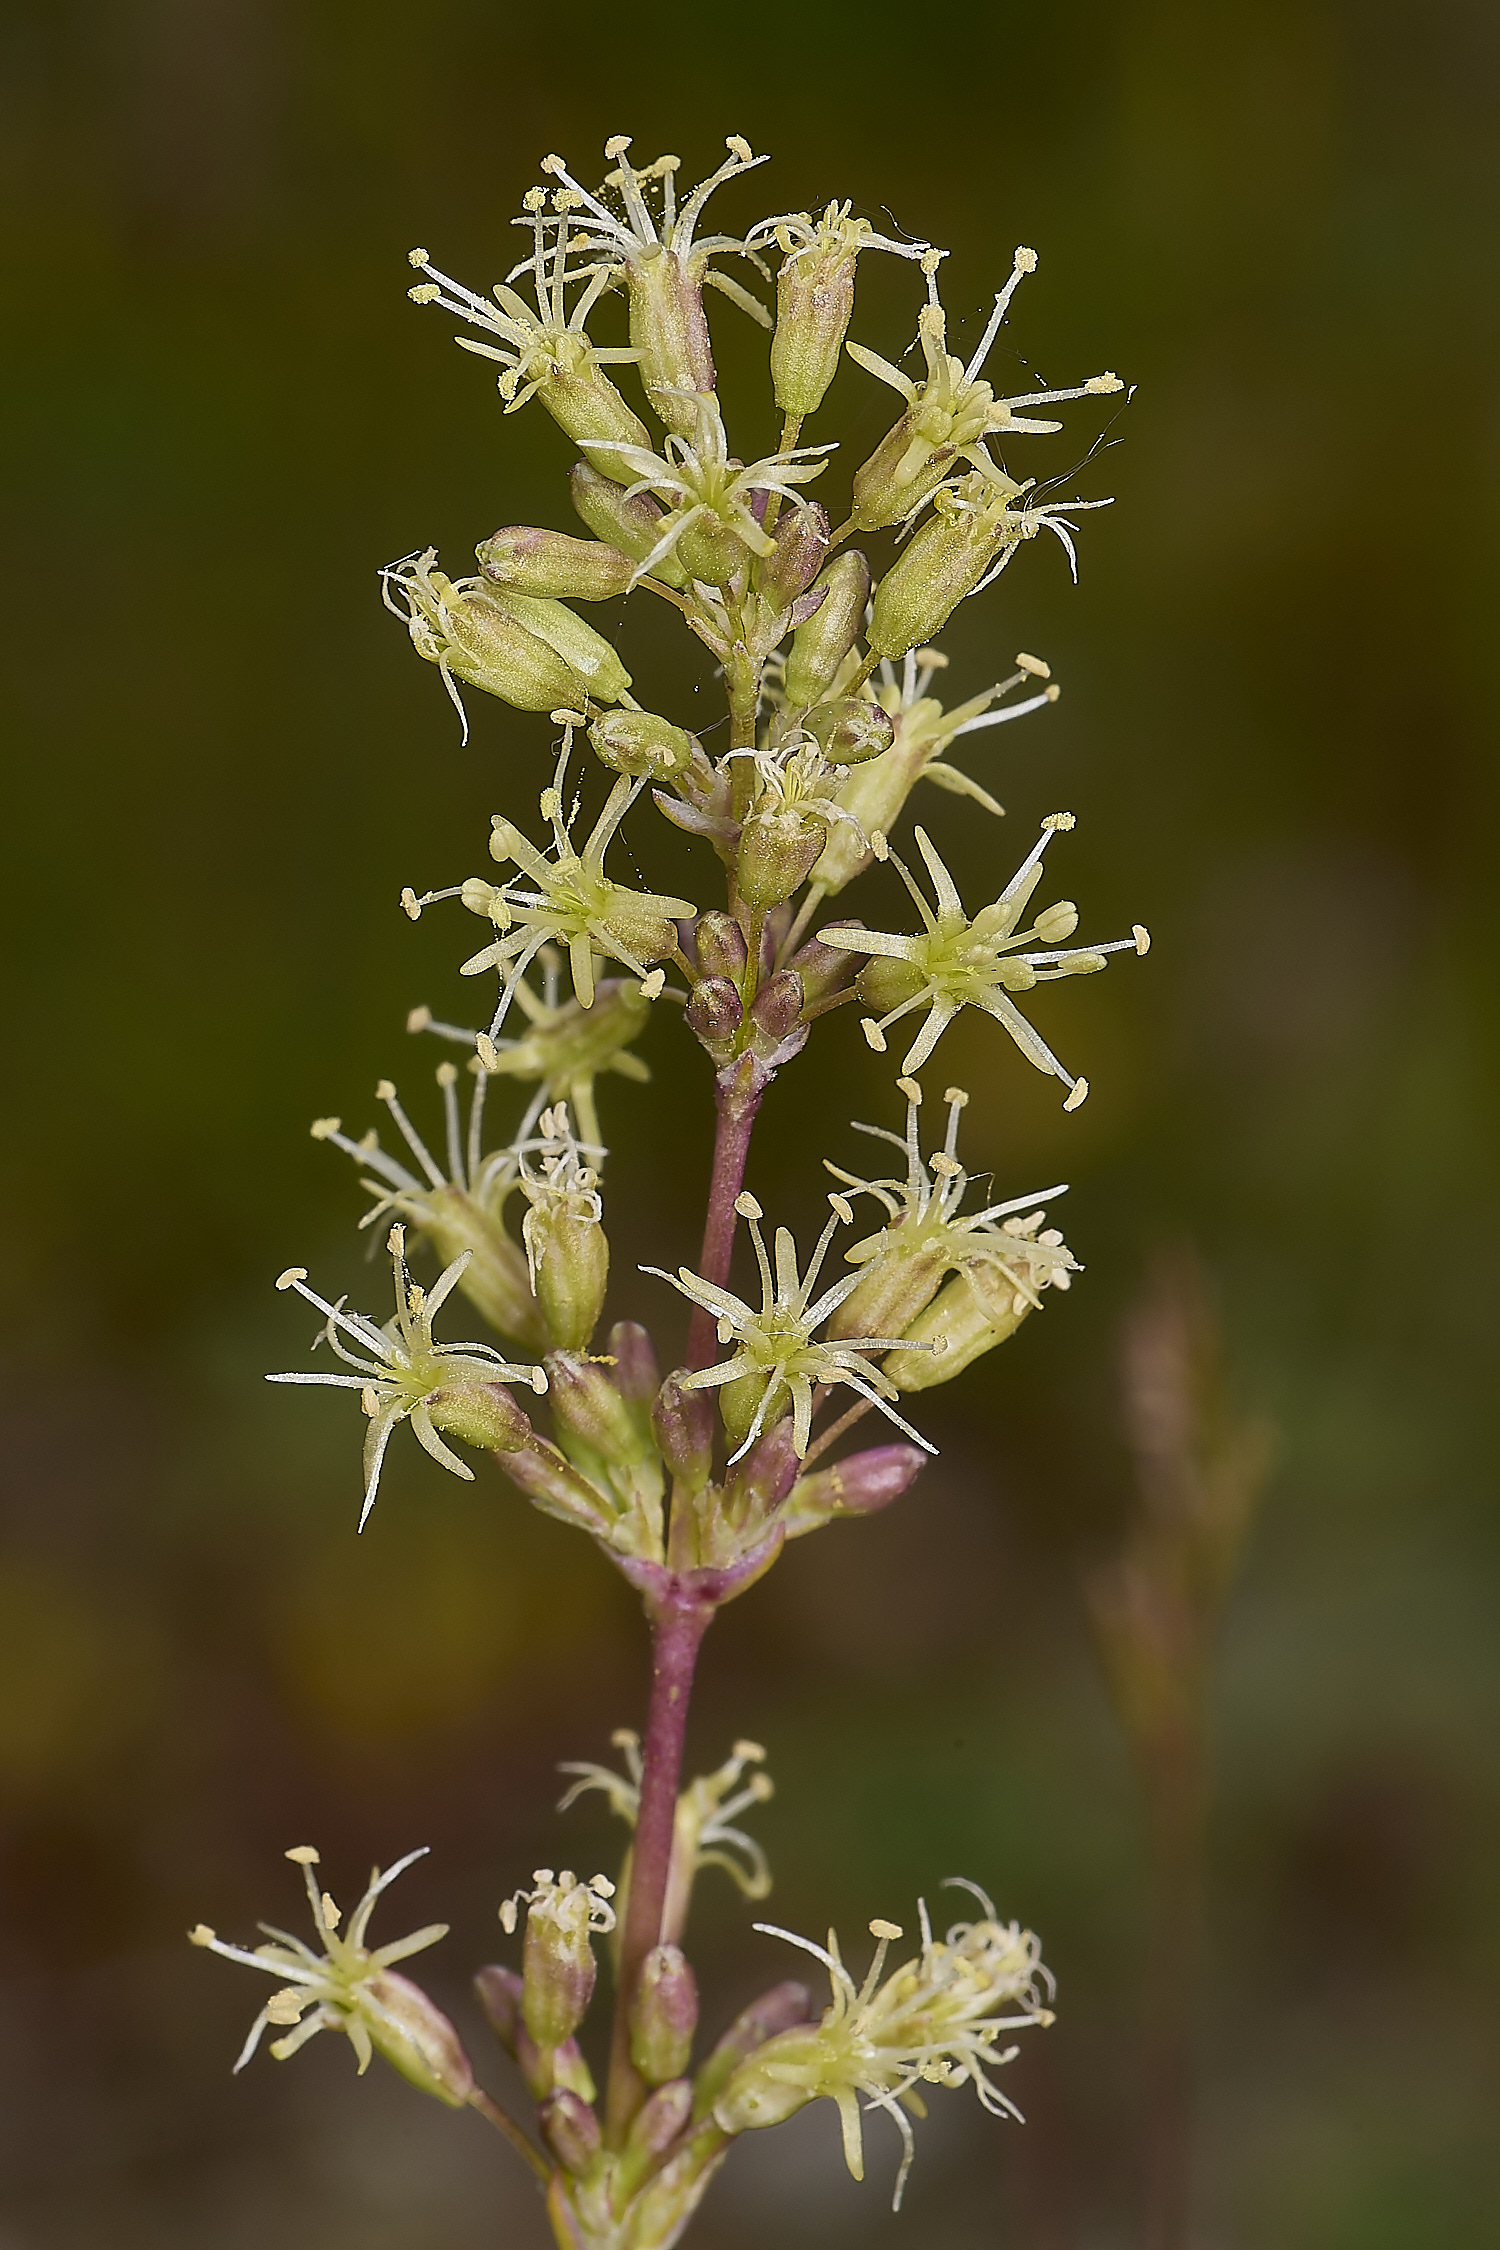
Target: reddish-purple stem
(679,1621)
(738,1097)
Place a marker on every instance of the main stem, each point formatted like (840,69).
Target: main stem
(737,1095)
(679,1622)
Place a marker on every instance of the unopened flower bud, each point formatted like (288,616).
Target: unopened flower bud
(822,968)
(571,2130)
(905,469)
(550,564)
(684,1425)
(777,1007)
(850,730)
(633,524)
(755,1487)
(637,1372)
(715,1012)
(659,2120)
(778,2010)
(801,537)
(820,646)
(637,742)
(663,2015)
(498,1991)
(721,947)
(592,1417)
(860,1486)
(588,653)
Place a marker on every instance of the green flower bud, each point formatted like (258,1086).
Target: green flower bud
(663,2015)
(850,730)
(482,1414)
(905,469)
(801,537)
(637,742)
(588,653)
(571,2130)
(464,627)
(633,524)
(820,646)
(550,564)
(944,563)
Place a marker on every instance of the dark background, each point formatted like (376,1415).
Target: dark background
(1280,222)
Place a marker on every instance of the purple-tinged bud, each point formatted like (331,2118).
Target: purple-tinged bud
(684,1426)
(592,1417)
(551,1483)
(663,2015)
(714,1014)
(637,1369)
(721,946)
(660,2119)
(549,563)
(756,1486)
(633,525)
(571,2130)
(801,538)
(823,968)
(498,1991)
(850,730)
(777,1007)
(860,1486)
(637,742)
(820,646)
(780,2009)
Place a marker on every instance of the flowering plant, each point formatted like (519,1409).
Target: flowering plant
(692,1481)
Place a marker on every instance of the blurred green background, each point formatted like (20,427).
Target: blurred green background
(1279,220)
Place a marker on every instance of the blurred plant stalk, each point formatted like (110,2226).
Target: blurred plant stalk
(1155,1608)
